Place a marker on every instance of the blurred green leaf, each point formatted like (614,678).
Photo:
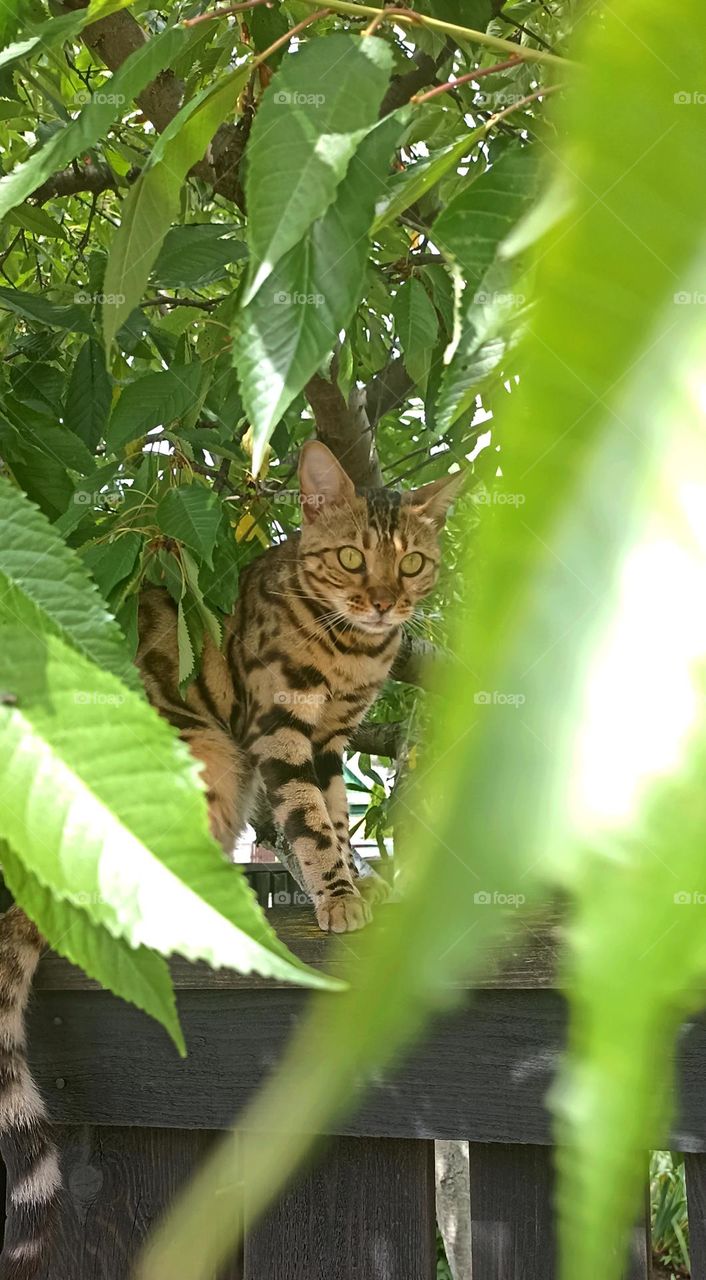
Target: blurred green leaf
(81,753)
(133,973)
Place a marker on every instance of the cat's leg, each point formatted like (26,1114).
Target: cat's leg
(229,779)
(285,759)
(329,771)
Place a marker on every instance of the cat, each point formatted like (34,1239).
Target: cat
(314,633)
(312,637)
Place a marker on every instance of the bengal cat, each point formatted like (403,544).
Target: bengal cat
(313,634)
(311,640)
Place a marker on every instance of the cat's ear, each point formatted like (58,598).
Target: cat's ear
(432,501)
(322,480)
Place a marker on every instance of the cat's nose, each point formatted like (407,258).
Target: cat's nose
(381,601)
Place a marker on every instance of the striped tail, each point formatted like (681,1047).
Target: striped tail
(31,1158)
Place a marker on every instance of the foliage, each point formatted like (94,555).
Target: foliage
(135,435)
(168,352)
(670,1229)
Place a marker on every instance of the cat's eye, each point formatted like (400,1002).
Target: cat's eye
(412,563)
(351,558)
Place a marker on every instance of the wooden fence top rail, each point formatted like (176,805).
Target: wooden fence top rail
(525,961)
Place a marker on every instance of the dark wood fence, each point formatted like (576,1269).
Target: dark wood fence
(136,1120)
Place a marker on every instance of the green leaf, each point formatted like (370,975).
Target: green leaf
(322,101)
(603,453)
(420,178)
(74,317)
(473,225)
(191,514)
(283,335)
(152,400)
(72,140)
(47,589)
(196,255)
(89,395)
(83,759)
(111,562)
(133,973)
(36,221)
(187,662)
(153,202)
(417,327)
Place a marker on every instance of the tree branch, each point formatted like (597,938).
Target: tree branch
(419,662)
(343,425)
(387,390)
(68,182)
(112,40)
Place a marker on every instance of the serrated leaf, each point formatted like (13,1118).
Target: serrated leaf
(111,562)
(83,759)
(421,178)
(153,202)
(185,648)
(196,255)
(473,362)
(321,102)
(74,317)
(152,400)
(89,394)
(135,974)
(72,140)
(476,221)
(191,513)
(46,587)
(283,335)
(417,327)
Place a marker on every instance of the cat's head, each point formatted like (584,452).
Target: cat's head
(368,555)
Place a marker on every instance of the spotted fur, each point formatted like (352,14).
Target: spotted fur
(30,1156)
(307,648)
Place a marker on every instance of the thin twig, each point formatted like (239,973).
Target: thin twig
(225,11)
(472,75)
(450,29)
(203,304)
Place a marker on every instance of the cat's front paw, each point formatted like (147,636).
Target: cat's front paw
(343,915)
(374,889)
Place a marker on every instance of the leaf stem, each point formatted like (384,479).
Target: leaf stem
(225,11)
(472,75)
(447,28)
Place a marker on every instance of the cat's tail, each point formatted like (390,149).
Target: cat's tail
(30,1156)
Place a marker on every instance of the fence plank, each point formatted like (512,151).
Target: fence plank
(365,1211)
(512,1233)
(118,1184)
(695,1168)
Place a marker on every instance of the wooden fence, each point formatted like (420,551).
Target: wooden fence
(136,1120)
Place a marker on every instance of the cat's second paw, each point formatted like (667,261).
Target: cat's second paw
(344,914)
(374,888)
